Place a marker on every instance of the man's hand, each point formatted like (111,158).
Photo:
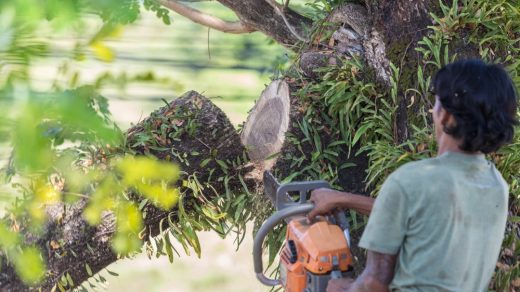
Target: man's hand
(339,285)
(325,201)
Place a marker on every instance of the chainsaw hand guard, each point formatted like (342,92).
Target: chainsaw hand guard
(268,225)
(314,252)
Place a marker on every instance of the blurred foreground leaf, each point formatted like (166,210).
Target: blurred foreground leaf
(29,265)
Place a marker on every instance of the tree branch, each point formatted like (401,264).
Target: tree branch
(264,18)
(69,244)
(237,27)
(280,10)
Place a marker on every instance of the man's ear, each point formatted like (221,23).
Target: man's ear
(447,120)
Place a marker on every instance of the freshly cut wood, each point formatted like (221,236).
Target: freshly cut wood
(264,131)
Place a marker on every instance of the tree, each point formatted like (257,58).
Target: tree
(352,108)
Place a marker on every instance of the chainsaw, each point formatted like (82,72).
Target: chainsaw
(313,252)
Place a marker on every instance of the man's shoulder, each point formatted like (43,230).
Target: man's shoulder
(423,167)
(419,173)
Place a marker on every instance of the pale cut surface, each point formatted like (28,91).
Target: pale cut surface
(264,131)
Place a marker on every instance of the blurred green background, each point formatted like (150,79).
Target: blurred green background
(231,69)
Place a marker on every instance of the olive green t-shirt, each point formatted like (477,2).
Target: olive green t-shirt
(445,219)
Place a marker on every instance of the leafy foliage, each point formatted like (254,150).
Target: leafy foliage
(52,132)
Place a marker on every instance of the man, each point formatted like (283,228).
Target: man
(438,224)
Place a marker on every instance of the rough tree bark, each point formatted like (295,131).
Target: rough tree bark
(264,18)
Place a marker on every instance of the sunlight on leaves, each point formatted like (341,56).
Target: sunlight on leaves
(151,179)
(102,52)
(8,238)
(148,177)
(161,195)
(129,223)
(33,151)
(64,138)
(29,265)
(103,199)
(135,170)
(45,193)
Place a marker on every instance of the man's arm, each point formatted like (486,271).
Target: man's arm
(376,277)
(327,200)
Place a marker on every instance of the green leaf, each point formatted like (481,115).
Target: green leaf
(347,165)
(102,52)
(291,177)
(89,270)
(337,143)
(143,204)
(62,289)
(69,280)
(222,164)
(166,19)
(205,162)
(112,273)
(362,130)
(315,155)
(169,247)
(29,265)
(8,239)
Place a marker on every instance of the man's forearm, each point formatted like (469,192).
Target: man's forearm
(377,275)
(359,203)
(367,285)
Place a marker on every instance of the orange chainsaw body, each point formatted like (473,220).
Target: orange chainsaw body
(318,247)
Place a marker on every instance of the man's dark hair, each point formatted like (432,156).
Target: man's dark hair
(482,99)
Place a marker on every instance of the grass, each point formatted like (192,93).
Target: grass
(219,269)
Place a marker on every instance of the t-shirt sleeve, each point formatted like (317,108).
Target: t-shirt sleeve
(387,223)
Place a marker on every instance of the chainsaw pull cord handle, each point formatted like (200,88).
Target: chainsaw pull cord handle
(268,225)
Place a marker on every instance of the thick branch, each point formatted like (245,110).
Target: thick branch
(187,131)
(237,27)
(263,17)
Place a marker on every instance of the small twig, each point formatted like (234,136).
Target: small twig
(280,12)
(286,5)
(203,143)
(226,139)
(77,195)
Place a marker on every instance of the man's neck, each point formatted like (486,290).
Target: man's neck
(444,148)
(446,143)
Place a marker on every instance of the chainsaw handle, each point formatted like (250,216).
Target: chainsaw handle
(343,223)
(268,225)
(302,187)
